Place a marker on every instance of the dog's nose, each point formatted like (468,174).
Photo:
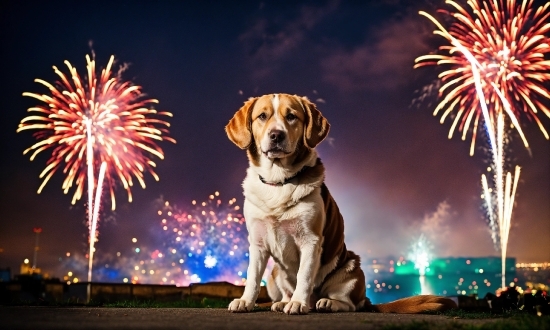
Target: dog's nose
(276,136)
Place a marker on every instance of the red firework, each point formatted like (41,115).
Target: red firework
(510,42)
(125,129)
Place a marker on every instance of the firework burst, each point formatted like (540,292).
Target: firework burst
(507,44)
(124,129)
(207,242)
(421,255)
(497,68)
(103,123)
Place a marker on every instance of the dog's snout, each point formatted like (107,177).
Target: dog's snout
(276,136)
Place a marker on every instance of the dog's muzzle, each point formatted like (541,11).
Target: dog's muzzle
(276,136)
(277,147)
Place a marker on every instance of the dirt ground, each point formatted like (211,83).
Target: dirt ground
(199,318)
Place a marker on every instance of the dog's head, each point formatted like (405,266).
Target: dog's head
(277,126)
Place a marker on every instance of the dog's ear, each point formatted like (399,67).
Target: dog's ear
(239,129)
(316,126)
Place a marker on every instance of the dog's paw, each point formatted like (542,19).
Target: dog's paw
(240,306)
(325,305)
(296,308)
(279,306)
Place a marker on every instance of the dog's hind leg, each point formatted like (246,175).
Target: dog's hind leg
(344,290)
(324,305)
(336,296)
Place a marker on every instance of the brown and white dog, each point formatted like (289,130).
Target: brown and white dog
(291,216)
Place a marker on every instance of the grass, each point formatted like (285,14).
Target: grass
(513,320)
(185,303)
(526,323)
(463,314)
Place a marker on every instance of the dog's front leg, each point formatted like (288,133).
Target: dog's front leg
(309,264)
(257,262)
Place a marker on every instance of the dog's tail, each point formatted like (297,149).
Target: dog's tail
(415,305)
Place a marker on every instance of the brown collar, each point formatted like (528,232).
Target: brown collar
(287,180)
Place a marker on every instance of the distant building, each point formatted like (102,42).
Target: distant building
(5,274)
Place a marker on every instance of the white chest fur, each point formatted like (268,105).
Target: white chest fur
(282,232)
(281,239)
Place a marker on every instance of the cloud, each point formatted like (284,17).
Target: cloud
(269,41)
(385,63)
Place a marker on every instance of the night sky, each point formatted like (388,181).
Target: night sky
(390,165)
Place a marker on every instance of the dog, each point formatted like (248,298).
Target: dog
(292,218)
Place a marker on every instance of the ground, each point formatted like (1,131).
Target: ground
(25,317)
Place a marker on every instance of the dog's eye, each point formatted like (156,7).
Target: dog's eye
(290,117)
(262,116)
